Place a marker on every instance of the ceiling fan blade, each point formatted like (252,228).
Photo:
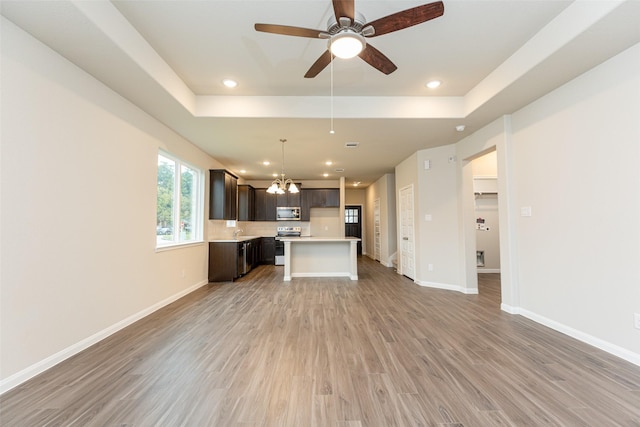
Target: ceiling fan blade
(344,8)
(377,60)
(407,18)
(291,31)
(319,65)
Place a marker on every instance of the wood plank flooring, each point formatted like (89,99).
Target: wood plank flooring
(380,351)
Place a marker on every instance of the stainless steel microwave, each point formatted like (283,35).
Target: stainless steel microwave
(288,214)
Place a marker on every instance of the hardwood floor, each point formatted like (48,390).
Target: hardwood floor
(380,351)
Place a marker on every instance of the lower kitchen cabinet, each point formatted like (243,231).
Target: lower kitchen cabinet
(268,250)
(223,261)
(232,259)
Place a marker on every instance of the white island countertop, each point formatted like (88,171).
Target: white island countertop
(303,239)
(320,257)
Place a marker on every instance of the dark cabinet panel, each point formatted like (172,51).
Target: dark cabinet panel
(265,205)
(268,250)
(318,198)
(288,199)
(246,203)
(223,194)
(332,198)
(223,261)
(305,205)
(230,260)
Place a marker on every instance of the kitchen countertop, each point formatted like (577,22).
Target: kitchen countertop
(318,239)
(236,240)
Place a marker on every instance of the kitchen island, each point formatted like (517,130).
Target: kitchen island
(320,257)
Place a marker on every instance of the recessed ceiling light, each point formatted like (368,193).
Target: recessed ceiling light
(355,184)
(328,163)
(325,175)
(230,83)
(274,174)
(266,163)
(433,84)
(460,128)
(243,171)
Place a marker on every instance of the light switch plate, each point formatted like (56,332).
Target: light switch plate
(525,211)
(636,319)
(427,217)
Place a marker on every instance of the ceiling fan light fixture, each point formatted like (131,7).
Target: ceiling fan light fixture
(346,44)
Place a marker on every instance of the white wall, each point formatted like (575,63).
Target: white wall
(438,237)
(576,156)
(572,156)
(79,167)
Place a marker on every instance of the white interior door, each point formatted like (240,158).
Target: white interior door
(407,252)
(376,229)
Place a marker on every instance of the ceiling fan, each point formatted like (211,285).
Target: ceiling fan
(347,29)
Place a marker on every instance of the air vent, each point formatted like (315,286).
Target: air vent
(351,144)
(340,170)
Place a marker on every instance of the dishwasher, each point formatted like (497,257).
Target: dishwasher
(244,258)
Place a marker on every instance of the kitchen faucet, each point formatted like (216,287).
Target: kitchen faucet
(237,231)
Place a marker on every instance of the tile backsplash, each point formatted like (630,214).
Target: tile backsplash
(220,230)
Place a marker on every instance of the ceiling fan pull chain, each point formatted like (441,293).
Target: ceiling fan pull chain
(331,131)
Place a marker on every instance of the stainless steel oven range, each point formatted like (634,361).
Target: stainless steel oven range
(284,232)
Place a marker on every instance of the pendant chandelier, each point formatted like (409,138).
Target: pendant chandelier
(281,185)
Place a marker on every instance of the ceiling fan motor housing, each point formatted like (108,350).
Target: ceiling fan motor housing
(334,27)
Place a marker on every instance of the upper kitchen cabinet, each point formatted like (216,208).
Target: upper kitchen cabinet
(265,205)
(224,193)
(246,203)
(318,198)
(287,199)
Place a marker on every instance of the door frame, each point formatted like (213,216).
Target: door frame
(360,223)
(413,228)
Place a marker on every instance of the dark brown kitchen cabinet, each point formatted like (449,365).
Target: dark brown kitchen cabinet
(268,255)
(229,260)
(265,205)
(223,194)
(287,199)
(318,198)
(223,261)
(246,203)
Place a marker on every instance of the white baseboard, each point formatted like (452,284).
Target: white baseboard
(41,366)
(610,348)
(448,287)
(323,274)
(488,270)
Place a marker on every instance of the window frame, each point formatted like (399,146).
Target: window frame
(198,194)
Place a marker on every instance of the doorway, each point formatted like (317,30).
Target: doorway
(485,191)
(407,251)
(353,223)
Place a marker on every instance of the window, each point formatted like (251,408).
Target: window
(179,202)
(351,216)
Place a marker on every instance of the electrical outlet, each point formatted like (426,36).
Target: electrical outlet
(430,267)
(183,273)
(636,319)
